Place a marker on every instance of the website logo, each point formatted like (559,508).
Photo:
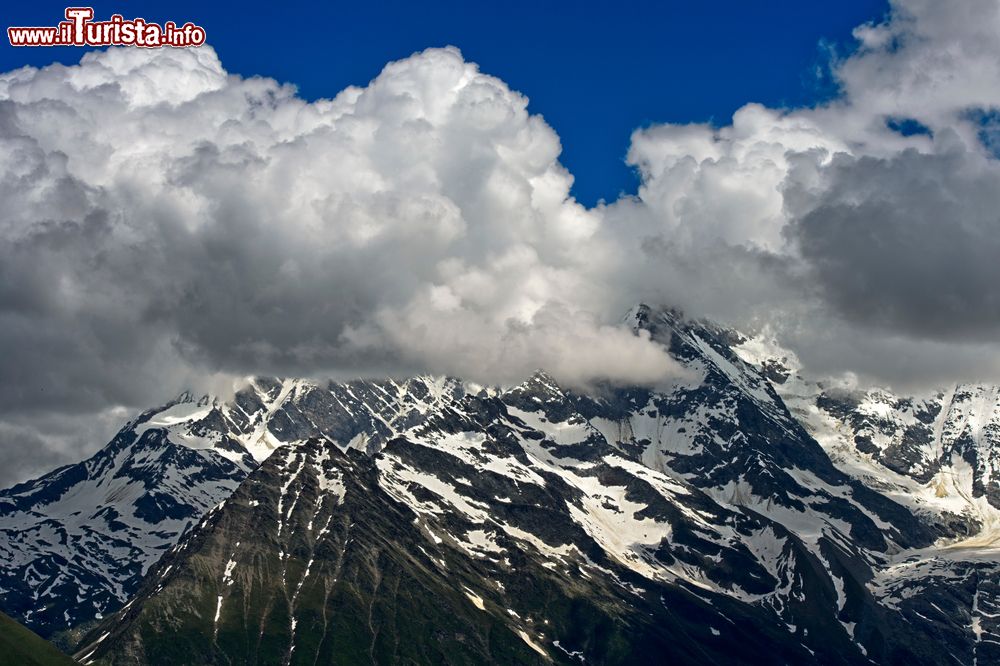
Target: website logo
(79,29)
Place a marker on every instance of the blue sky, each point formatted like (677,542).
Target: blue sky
(595,71)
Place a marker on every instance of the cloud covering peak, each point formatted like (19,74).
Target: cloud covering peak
(165,216)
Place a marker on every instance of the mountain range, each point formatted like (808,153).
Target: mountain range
(743,512)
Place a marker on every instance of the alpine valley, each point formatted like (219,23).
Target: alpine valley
(743,514)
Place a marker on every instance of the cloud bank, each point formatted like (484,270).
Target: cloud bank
(166,224)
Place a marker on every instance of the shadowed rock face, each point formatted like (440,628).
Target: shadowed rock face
(316,560)
(711,520)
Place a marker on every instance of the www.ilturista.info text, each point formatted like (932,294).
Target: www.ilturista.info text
(80,30)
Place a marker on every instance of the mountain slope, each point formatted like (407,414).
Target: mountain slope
(20,646)
(938,455)
(352,575)
(77,542)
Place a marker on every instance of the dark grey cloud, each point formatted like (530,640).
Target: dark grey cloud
(908,243)
(36,442)
(27,455)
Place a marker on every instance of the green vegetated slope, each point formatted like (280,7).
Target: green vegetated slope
(20,646)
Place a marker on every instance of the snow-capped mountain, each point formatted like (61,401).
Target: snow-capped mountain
(936,454)
(742,513)
(76,543)
(711,520)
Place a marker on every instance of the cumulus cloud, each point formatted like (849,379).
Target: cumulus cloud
(166,224)
(165,219)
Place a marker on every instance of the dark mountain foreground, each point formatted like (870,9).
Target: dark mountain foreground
(19,646)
